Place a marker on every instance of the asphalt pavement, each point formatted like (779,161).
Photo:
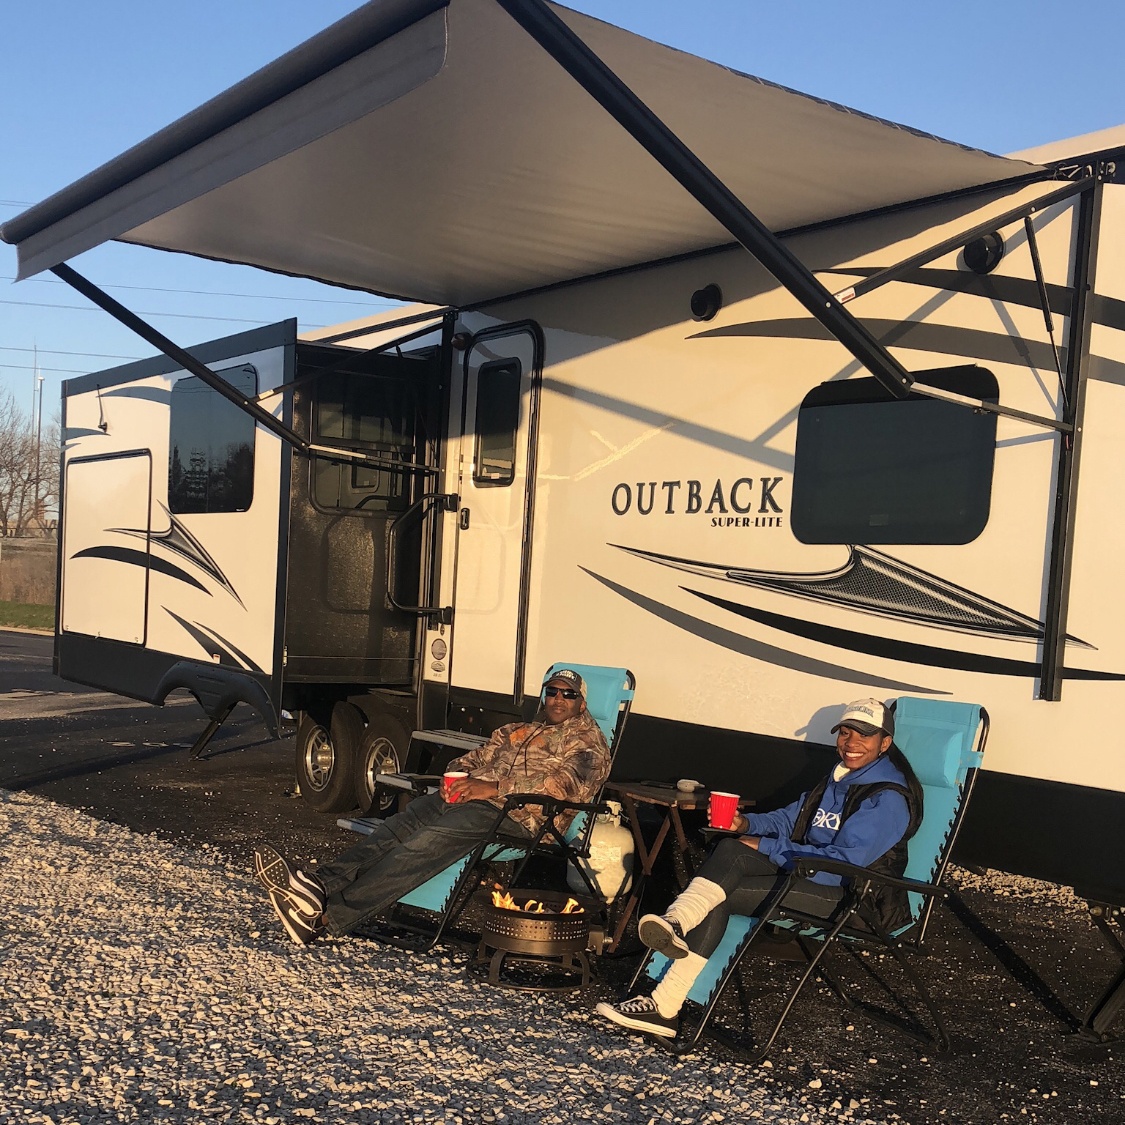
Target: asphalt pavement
(129,762)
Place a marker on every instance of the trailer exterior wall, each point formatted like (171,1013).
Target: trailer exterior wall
(633,562)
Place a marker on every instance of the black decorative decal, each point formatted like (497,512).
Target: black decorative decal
(759,650)
(897,650)
(922,336)
(215,646)
(73,433)
(877,583)
(179,541)
(949,339)
(144,561)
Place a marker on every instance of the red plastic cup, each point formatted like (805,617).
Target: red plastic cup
(722,809)
(447,779)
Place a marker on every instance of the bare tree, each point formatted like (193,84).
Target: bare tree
(29,471)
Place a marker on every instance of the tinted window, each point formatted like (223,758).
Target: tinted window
(871,469)
(211,460)
(497,419)
(374,414)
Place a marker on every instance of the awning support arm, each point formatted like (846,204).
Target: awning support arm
(584,66)
(205,375)
(1070,449)
(924,257)
(992,408)
(1045,301)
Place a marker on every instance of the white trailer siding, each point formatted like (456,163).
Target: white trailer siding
(639,401)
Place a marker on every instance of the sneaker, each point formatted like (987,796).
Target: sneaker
(300,928)
(664,935)
(304,893)
(640,1014)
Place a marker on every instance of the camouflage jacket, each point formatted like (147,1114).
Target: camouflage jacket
(569,761)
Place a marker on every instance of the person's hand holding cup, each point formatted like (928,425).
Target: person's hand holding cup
(448,795)
(722,809)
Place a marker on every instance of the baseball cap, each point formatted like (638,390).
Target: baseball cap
(867,716)
(569,676)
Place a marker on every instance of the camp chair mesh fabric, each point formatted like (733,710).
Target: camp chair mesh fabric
(608,695)
(939,740)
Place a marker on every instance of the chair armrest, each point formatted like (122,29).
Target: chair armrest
(551,805)
(419,784)
(804,866)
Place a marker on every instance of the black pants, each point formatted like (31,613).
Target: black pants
(402,853)
(749,878)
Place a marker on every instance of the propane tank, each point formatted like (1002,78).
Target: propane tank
(610,866)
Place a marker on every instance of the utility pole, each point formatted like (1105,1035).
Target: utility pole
(38,437)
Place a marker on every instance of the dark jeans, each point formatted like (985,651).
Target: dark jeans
(402,853)
(749,878)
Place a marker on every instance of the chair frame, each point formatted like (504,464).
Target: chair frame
(856,906)
(415,935)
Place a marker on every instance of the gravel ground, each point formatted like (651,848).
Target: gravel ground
(147,980)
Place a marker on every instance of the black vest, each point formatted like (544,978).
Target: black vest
(891,905)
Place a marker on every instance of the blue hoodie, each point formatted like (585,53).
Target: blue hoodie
(874,828)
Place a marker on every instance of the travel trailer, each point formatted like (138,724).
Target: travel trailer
(775,403)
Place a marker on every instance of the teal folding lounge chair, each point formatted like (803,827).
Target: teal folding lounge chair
(944,743)
(443,898)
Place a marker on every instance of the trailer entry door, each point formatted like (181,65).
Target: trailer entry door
(340,625)
(502,371)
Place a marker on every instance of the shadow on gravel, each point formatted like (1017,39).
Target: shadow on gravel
(71,770)
(1016,967)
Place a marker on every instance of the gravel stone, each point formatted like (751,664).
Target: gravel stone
(147,980)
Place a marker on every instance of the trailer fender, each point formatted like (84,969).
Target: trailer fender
(217,690)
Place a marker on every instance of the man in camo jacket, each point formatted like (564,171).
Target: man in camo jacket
(562,754)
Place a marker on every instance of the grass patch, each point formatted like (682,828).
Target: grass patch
(27,616)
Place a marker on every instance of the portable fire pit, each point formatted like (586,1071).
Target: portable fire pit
(539,936)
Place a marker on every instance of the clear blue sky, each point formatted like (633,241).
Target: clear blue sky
(81,82)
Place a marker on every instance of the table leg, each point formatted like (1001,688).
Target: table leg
(647,857)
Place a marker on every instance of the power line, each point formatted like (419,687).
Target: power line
(214,293)
(56,351)
(48,370)
(178,316)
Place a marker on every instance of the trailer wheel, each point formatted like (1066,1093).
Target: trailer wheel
(383,750)
(326,758)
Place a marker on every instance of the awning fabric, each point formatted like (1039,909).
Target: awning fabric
(433,151)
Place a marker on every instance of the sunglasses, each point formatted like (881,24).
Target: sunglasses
(565,692)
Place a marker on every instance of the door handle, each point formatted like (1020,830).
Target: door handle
(444,502)
(463,519)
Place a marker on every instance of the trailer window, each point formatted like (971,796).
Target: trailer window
(871,469)
(211,446)
(373,414)
(497,420)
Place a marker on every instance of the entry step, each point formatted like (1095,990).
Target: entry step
(457,739)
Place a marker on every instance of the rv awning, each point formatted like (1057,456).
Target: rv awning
(433,151)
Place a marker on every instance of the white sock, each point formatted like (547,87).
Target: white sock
(695,902)
(669,995)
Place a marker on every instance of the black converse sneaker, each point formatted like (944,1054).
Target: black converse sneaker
(300,927)
(640,1014)
(664,935)
(302,892)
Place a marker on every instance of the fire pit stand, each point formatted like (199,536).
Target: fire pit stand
(542,952)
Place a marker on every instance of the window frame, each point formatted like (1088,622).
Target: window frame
(388,506)
(513,366)
(182,385)
(812,464)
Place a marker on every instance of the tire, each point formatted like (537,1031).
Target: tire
(326,758)
(382,750)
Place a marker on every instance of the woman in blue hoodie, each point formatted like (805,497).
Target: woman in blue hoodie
(862,813)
